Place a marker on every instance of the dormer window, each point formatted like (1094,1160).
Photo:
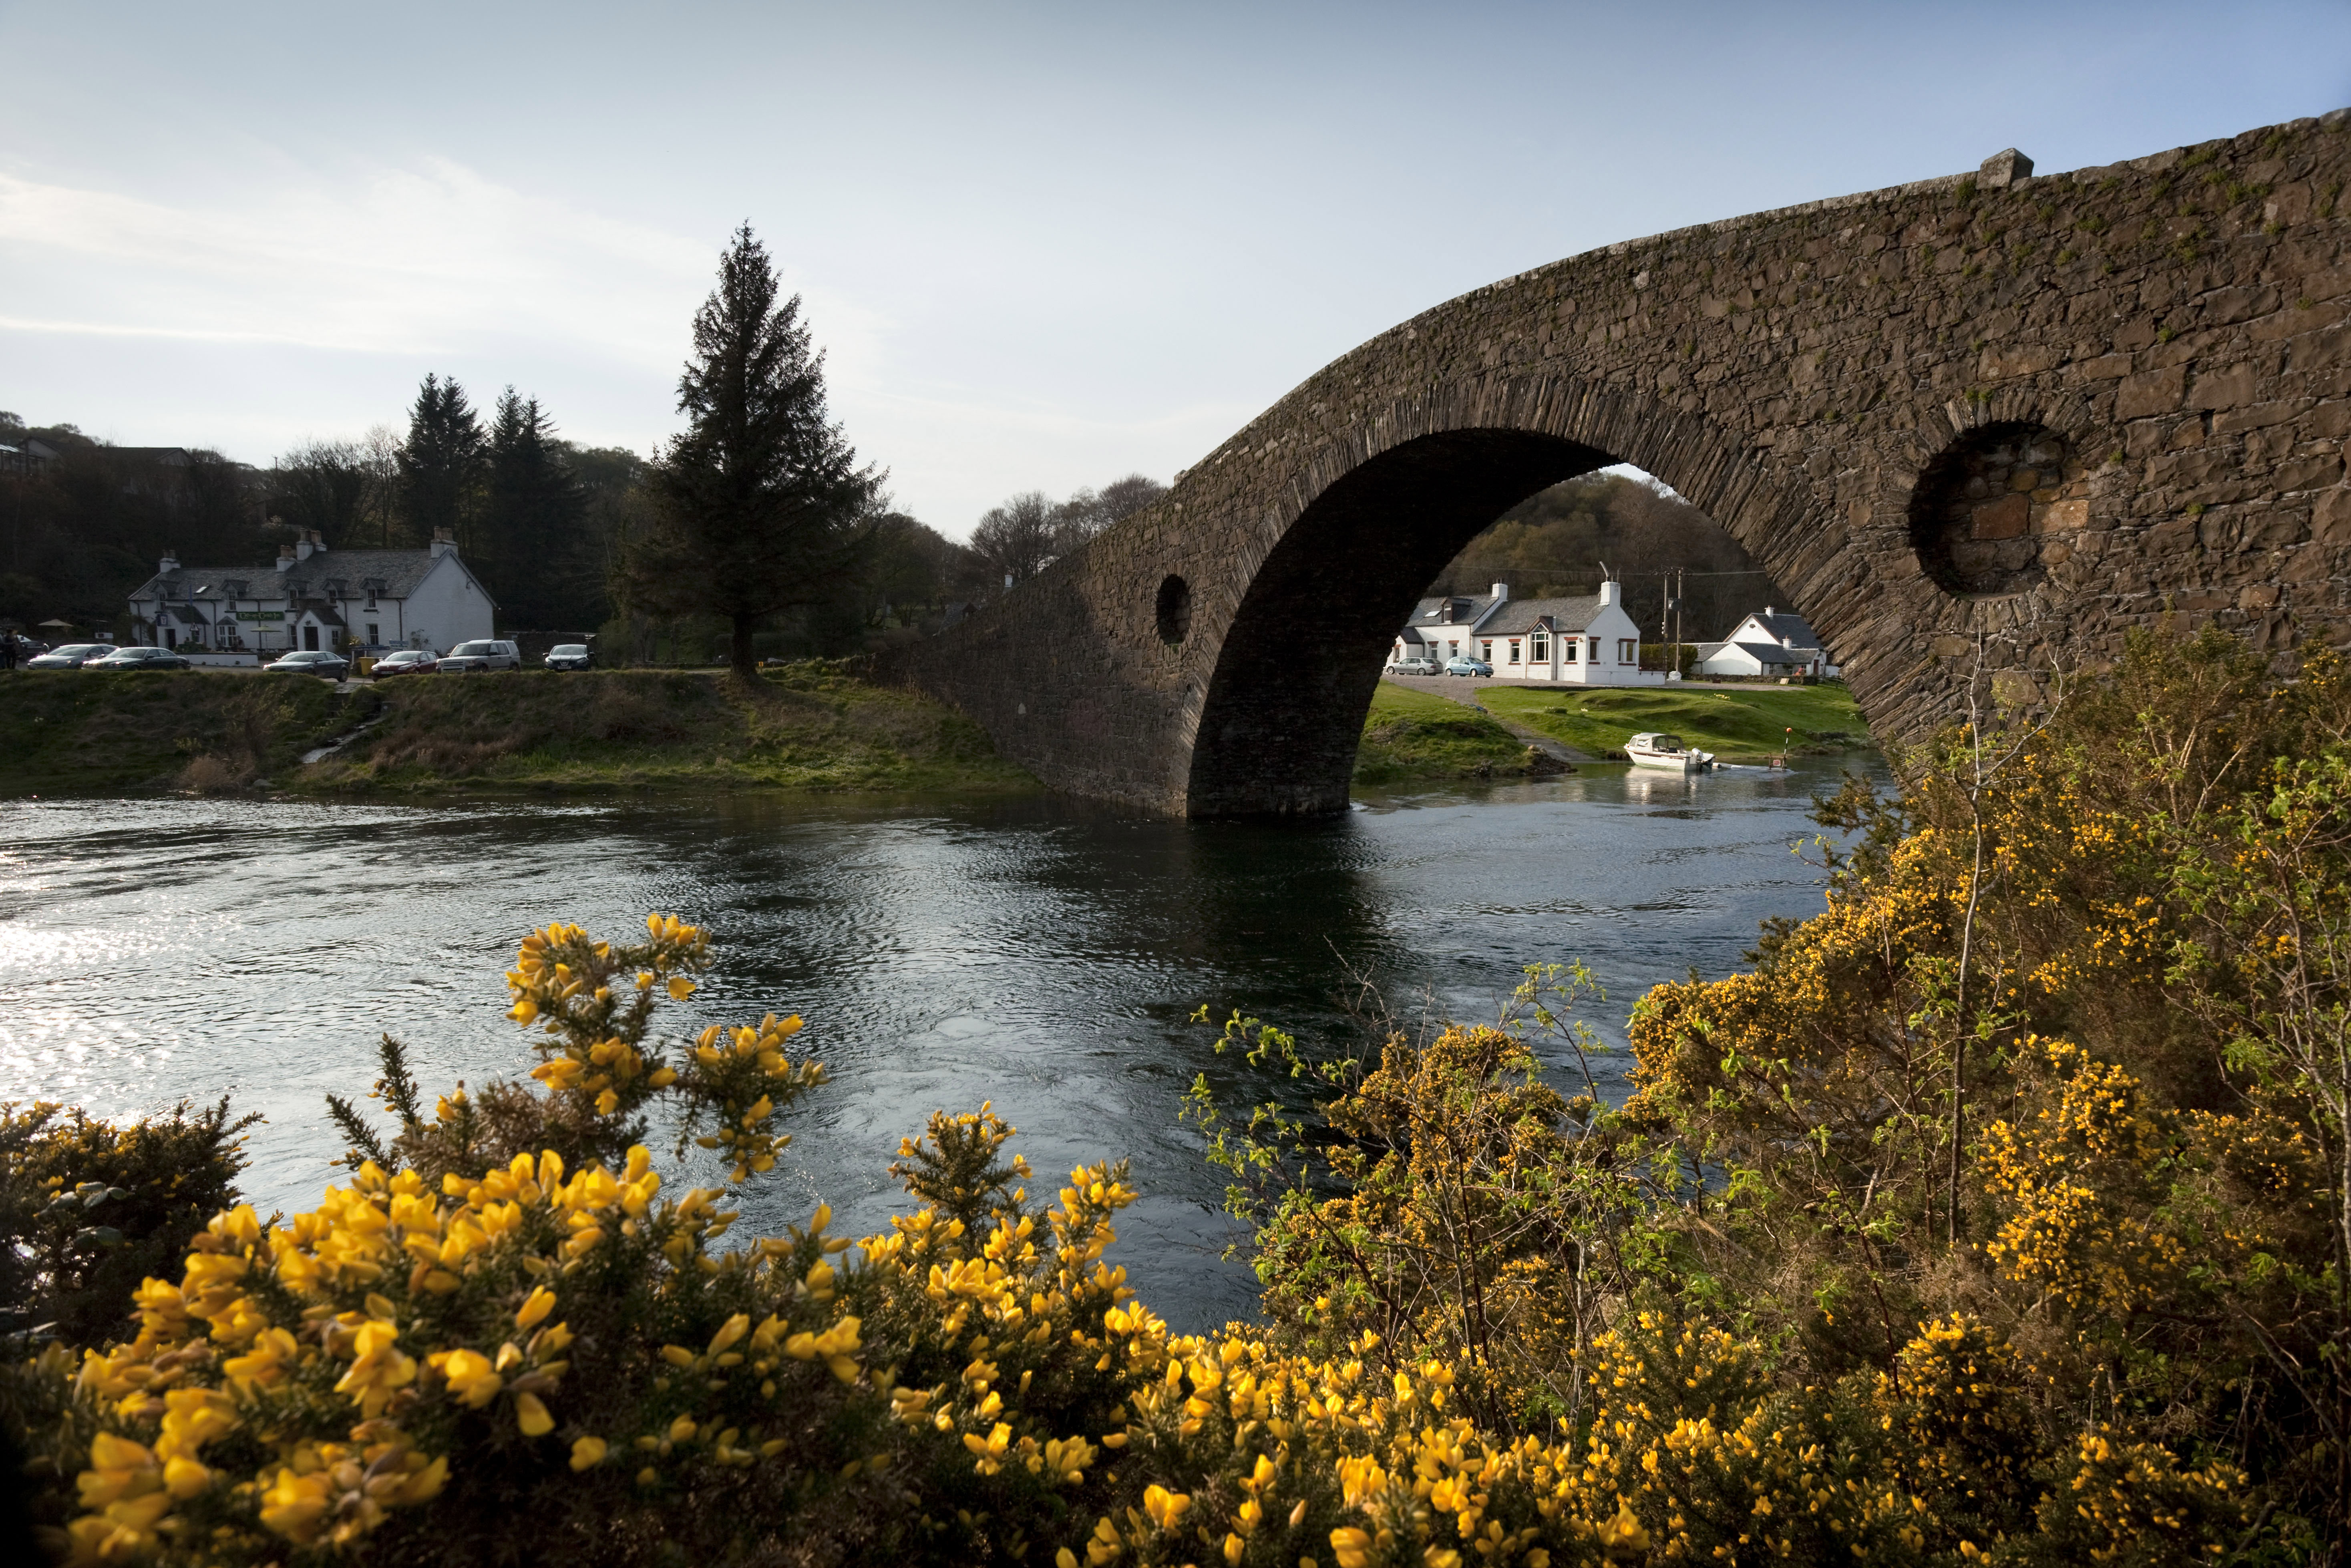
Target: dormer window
(237,588)
(374,586)
(334,590)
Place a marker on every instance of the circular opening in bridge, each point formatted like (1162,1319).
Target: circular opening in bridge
(1996,508)
(1175,609)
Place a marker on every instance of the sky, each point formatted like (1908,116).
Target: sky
(1042,245)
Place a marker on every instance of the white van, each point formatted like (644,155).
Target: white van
(466,658)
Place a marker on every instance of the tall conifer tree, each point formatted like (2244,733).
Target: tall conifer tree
(533,509)
(760,502)
(440,463)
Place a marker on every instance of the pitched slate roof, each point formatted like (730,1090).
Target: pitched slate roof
(1461,610)
(1787,627)
(398,571)
(1516,617)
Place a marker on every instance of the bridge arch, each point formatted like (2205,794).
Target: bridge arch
(1832,384)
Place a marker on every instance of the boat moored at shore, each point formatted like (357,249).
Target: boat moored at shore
(1654,749)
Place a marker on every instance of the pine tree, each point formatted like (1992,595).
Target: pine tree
(760,502)
(440,463)
(533,511)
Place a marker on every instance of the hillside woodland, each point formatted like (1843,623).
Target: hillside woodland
(548,525)
(1996,1214)
(1558,542)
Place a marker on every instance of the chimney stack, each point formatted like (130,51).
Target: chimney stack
(318,541)
(301,548)
(1612,592)
(445,542)
(170,563)
(1501,592)
(284,556)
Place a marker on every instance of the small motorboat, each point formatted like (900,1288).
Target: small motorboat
(1650,749)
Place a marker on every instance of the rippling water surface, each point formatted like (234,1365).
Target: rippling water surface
(1044,953)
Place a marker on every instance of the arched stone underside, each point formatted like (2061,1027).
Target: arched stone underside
(1984,421)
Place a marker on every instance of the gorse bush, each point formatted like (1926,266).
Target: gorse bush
(2093,991)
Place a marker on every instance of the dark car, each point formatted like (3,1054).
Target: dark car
(309,662)
(404,661)
(568,656)
(72,656)
(139,659)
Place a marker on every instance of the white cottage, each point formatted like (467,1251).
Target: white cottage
(1442,628)
(316,598)
(1768,642)
(1586,641)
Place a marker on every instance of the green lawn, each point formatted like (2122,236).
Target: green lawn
(1410,736)
(1736,723)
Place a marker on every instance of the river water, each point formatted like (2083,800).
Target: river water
(1045,953)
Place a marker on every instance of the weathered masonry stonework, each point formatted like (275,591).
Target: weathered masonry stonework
(2021,412)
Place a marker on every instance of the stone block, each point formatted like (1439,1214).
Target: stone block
(2330,516)
(2005,518)
(2259,416)
(2257,596)
(2106,368)
(2230,388)
(2063,517)
(1949,647)
(2151,393)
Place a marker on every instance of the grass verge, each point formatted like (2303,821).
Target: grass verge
(809,727)
(1736,723)
(74,732)
(1411,736)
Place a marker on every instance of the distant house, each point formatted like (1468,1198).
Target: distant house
(1587,641)
(317,598)
(1441,628)
(1768,642)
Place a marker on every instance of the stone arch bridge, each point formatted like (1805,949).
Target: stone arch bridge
(2002,411)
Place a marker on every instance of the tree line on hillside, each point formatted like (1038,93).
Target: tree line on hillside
(1555,542)
(756,531)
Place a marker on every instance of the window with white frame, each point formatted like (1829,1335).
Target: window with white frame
(1628,649)
(1514,650)
(1539,649)
(1486,650)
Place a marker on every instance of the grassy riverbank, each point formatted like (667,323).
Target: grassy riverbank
(808,729)
(70,732)
(1412,737)
(1737,722)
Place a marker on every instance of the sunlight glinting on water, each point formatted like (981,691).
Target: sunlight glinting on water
(1045,954)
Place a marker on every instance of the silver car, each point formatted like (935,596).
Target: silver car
(72,656)
(472,658)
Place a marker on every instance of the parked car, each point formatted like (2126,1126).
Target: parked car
(471,658)
(1463,664)
(405,661)
(1411,666)
(72,656)
(140,659)
(568,656)
(309,662)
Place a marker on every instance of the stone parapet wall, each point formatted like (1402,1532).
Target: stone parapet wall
(2008,412)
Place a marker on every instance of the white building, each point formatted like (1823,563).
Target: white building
(316,598)
(1587,641)
(1768,642)
(1440,629)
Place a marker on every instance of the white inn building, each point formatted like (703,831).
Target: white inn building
(316,598)
(1587,641)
